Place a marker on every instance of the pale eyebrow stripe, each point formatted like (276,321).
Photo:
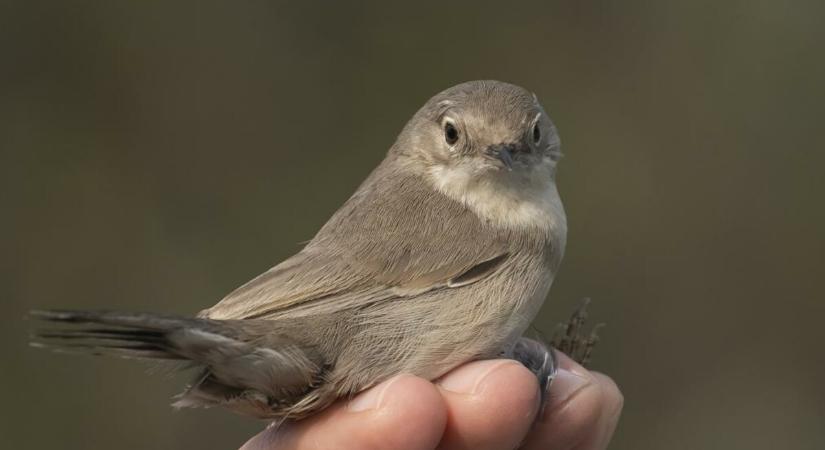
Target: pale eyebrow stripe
(444,107)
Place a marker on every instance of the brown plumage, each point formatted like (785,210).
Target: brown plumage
(443,255)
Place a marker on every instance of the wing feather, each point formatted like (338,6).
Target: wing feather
(394,237)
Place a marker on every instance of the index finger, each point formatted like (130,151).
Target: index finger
(405,413)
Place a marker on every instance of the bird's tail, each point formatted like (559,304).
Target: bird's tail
(128,335)
(249,366)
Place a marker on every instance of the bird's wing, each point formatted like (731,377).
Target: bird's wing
(394,238)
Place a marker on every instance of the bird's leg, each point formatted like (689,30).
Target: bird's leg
(540,358)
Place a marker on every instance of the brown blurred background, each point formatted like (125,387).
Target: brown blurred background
(154,155)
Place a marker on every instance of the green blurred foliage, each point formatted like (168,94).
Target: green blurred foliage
(154,155)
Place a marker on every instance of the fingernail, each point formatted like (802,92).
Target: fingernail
(564,387)
(469,379)
(372,398)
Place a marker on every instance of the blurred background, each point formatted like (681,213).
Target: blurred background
(155,155)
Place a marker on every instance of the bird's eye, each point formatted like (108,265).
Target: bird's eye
(536,133)
(450,133)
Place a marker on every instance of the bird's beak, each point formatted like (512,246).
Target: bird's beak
(501,153)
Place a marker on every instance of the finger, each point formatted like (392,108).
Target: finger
(405,412)
(581,413)
(613,402)
(490,405)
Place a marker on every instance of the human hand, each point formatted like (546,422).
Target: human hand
(480,405)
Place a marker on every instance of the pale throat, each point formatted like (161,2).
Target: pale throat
(509,200)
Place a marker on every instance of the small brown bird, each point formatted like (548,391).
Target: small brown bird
(443,255)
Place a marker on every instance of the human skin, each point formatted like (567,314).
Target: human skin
(482,405)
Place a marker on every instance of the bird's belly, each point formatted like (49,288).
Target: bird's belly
(435,332)
(516,308)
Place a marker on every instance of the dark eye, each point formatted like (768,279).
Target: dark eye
(450,133)
(536,133)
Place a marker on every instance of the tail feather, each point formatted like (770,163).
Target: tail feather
(132,335)
(250,365)
(101,333)
(128,351)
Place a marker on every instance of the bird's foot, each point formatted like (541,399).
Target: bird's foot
(571,339)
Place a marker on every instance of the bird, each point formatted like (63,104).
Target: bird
(443,255)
